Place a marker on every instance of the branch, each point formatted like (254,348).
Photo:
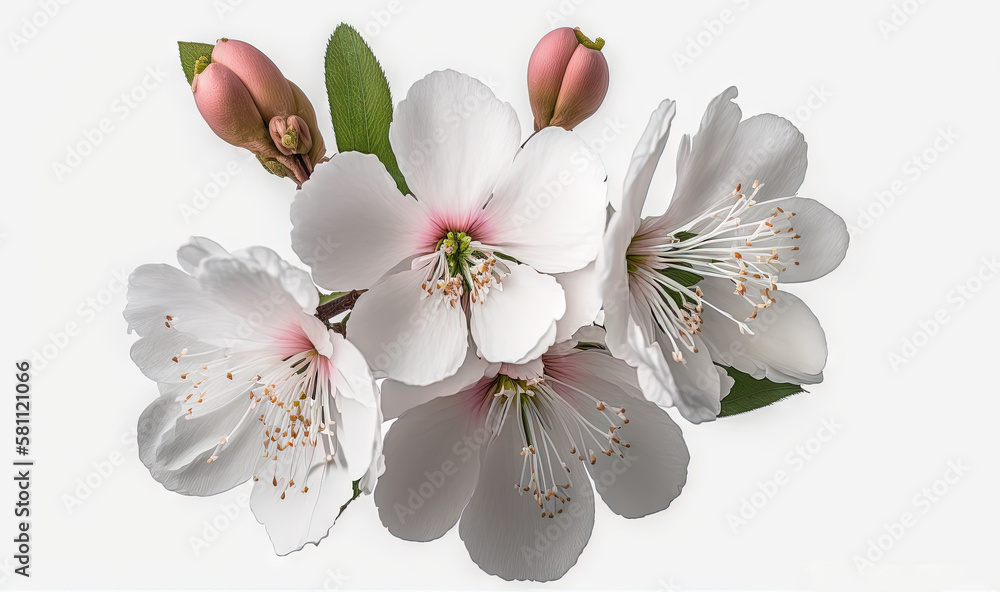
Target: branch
(336,306)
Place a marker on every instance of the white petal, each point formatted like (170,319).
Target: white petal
(504,530)
(583,300)
(726,152)
(398,397)
(295,281)
(155,291)
(549,210)
(351,225)
(198,248)
(358,435)
(176,449)
(788,344)
(693,386)
(823,237)
(453,139)
(645,158)
(431,465)
(616,295)
(513,321)
(408,338)
(301,517)
(654,468)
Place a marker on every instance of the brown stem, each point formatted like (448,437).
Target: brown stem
(338,305)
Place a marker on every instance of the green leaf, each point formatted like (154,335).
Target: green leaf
(360,101)
(324,298)
(684,235)
(749,393)
(682,276)
(190,52)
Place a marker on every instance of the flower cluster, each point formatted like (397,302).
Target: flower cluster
(470,284)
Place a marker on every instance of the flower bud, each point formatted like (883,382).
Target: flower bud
(290,135)
(567,78)
(228,108)
(247,102)
(264,81)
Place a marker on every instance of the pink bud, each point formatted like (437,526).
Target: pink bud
(567,78)
(291,135)
(269,89)
(227,107)
(304,109)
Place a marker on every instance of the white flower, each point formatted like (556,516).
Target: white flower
(684,292)
(511,454)
(252,385)
(469,250)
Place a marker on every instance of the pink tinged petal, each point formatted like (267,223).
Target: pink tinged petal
(398,397)
(406,337)
(788,344)
(517,316)
(503,527)
(304,513)
(264,82)
(546,68)
(584,86)
(549,210)
(645,159)
(654,468)
(453,139)
(257,299)
(351,206)
(176,450)
(583,300)
(431,465)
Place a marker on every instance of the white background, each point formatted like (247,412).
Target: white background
(868,100)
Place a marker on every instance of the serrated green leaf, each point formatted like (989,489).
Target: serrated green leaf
(749,393)
(190,52)
(360,100)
